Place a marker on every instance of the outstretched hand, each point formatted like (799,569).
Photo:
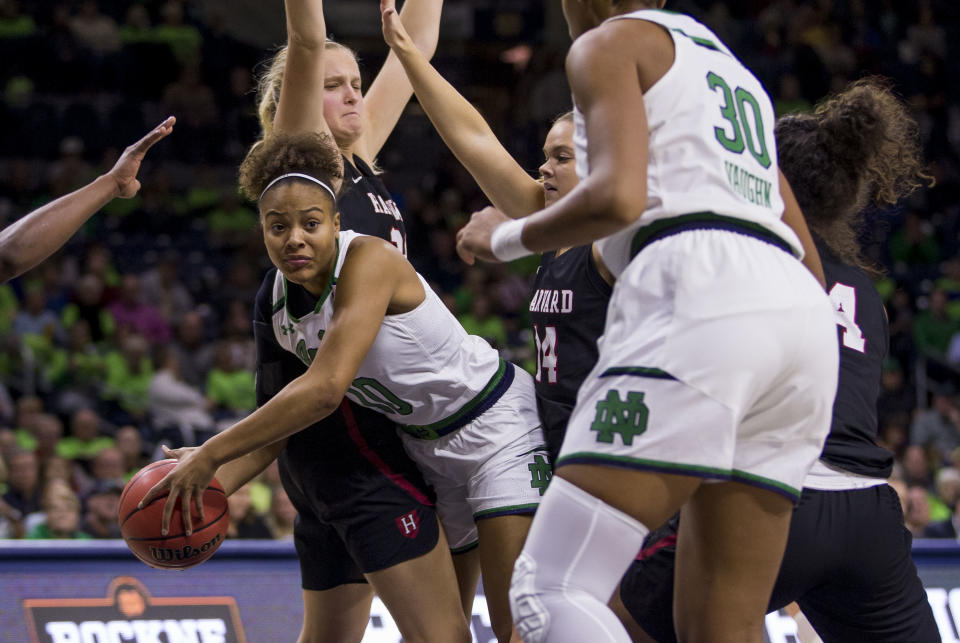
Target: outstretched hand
(473,239)
(394,32)
(188,480)
(124,171)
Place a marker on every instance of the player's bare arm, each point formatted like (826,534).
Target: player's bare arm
(793,217)
(461,126)
(36,236)
(375,279)
(390,91)
(603,74)
(239,472)
(303,77)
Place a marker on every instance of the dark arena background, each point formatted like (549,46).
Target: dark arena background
(138,332)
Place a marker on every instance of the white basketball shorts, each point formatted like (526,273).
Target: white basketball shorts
(496,465)
(719,360)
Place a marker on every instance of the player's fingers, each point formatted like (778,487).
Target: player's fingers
(186,508)
(168,505)
(468,257)
(157,133)
(175,454)
(388,6)
(154,492)
(198,500)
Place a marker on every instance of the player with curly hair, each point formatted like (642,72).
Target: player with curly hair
(377,334)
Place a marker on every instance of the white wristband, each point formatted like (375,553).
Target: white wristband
(505,242)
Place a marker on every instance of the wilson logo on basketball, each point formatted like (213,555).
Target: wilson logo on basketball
(408,524)
(168,554)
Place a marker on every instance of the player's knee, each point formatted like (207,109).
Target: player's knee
(530,614)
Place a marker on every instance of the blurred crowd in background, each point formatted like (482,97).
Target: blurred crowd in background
(138,333)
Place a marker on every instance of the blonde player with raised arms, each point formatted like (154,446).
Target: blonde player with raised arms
(718,364)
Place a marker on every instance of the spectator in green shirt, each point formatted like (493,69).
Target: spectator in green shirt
(14,24)
(136,27)
(913,244)
(75,373)
(129,372)
(933,328)
(86,438)
(481,321)
(88,305)
(233,390)
(62,514)
(184,40)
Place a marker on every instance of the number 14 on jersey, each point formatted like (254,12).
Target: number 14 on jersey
(546,353)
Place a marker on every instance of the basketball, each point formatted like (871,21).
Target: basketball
(141,527)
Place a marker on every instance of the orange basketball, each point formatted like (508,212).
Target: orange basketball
(141,527)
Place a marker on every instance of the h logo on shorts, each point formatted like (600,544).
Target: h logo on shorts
(408,524)
(614,415)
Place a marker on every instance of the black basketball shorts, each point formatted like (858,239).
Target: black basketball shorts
(362,504)
(847,564)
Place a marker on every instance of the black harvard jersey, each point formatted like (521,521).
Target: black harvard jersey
(366,205)
(568,311)
(862,325)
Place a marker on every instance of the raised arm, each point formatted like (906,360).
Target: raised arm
(390,91)
(462,128)
(603,76)
(38,235)
(300,104)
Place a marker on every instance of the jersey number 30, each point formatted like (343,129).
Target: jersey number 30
(742,112)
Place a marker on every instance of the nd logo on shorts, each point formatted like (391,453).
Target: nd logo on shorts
(408,524)
(541,472)
(614,415)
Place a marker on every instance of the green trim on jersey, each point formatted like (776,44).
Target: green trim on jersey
(699,471)
(621,460)
(432,431)
(529,507)
(638,371)
(753,479)
(278,306)
(323,296)
(707,220)
(703,42)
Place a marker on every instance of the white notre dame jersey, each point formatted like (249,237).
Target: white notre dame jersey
(423,368)
(712,148)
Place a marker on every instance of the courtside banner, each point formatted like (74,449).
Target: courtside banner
(97,592)
(129,613)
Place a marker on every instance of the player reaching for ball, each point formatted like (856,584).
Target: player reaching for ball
(363,508)
(718,363)
(140,526)
(370,328)
(38,235)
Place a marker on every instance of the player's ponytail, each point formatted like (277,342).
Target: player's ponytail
(858,147)
(873,130)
